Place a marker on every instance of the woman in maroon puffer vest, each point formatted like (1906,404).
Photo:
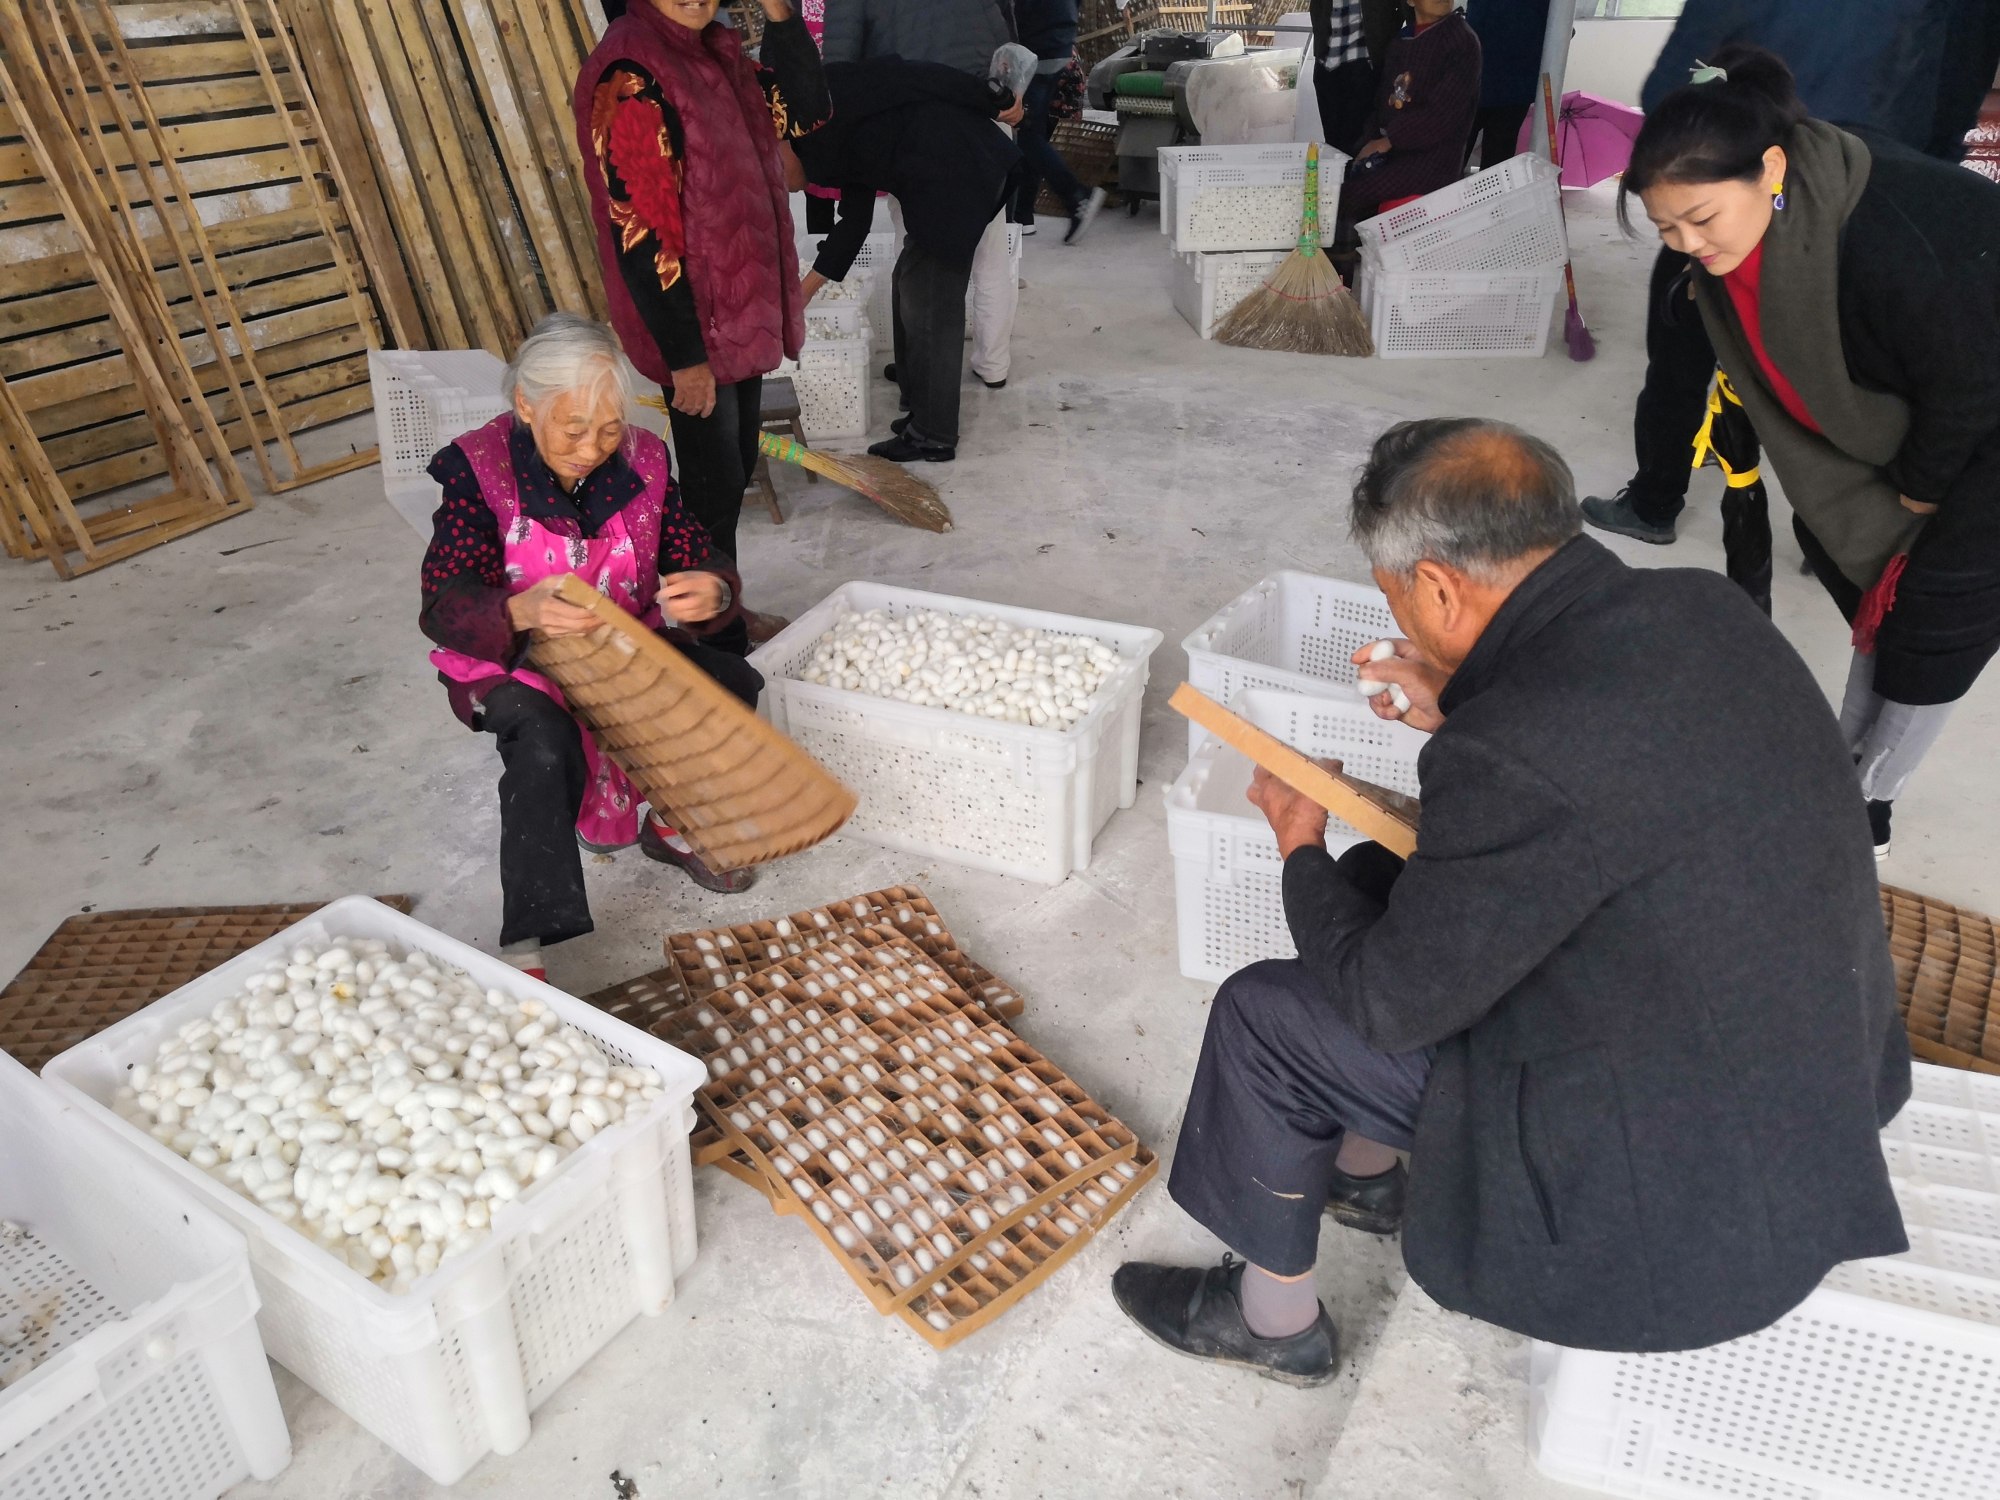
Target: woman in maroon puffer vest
(679,132)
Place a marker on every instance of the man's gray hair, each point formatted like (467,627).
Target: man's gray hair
(567,352)
(1472,494)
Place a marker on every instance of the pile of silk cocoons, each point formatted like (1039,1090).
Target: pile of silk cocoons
(380,1102)
(971,664)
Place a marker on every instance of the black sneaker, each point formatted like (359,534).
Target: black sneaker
(1081,215)
(1615,514)
(992,385)
(906,447)
(653,844)
(1373,1204)
(1198,1311)
(1878,825)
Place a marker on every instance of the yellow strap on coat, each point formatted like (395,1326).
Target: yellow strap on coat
(1704,441)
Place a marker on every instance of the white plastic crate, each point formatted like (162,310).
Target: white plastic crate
(878,260)
(1243,197)
(148,1378)
(423,399)
(1458,314)
(1513,231)
(838,318)
(832,382)
(1009,798)
(1228,879)
(1294,632)
(1207,286)
(1883,1385)
(448,1371)
(1464,203)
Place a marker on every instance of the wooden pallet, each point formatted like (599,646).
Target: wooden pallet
(735,788)
(99,967)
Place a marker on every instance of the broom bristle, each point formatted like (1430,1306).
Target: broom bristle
(890,485)
(1581,345)
(1303,309)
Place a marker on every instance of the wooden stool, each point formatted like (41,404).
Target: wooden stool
(778,411)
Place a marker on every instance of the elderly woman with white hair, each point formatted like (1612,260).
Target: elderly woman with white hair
(561,485)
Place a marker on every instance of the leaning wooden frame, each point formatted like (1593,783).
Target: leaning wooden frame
(42,518)
(736,789)
(94,70)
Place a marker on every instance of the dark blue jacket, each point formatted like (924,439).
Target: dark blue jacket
(1046,27)
(1867,63)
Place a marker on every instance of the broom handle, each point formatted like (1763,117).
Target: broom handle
(1309,224)
(784,449)
(1549,113)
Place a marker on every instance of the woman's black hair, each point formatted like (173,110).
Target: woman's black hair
(1716,131)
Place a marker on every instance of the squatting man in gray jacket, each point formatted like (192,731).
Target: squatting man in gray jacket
(1629,1006)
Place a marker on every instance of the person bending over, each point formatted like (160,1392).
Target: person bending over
(1629,1005)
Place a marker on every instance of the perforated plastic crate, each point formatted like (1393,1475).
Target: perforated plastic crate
(831,379)
(1512,231)
(1207,287)
(1883,1385)
(1243,197)
(423,399)
(1009,798)
(132,1358)
(1228,898)
(878,260)
(839,318)
(1458,314)
(1463,204)
(1294,632)
(448,1371)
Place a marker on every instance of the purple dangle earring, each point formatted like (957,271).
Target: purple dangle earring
(1778,198)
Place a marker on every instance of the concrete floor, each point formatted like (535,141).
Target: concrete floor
(247,715)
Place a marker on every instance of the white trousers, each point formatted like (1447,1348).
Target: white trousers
(994,298)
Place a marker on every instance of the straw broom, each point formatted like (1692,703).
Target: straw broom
(890,485)
(1303,308)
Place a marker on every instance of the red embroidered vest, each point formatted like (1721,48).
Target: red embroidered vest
(741,261)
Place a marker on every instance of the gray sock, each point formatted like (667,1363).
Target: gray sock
(1277,1309)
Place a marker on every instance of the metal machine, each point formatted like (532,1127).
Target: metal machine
(1145,84)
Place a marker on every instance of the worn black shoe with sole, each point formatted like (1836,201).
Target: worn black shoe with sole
(653,844)
(1198,1311)
(907,448)
(1373,1204)
(1614,514)
(1878,826)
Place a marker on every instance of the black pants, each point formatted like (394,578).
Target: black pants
(1041,162)
(1345,95)
(930,340)
(1496,129)
(542,781)
(1680,361)
(1281,1080)
(715,456)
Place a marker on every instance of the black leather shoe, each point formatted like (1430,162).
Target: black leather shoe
(1198,1311)
(653,844)
(907,448)
(1374,1204)
(1614,513)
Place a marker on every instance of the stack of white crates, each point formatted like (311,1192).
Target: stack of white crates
(1470,271)
(1281,656)
(424,398)
(1884,1384)
(844,323)
(1231,214)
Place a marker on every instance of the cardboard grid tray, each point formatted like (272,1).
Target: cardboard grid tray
(736,789)
(718,957)
(1945,965)
(910,1131)
(97,968)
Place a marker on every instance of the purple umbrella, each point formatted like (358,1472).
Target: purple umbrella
(1594,138)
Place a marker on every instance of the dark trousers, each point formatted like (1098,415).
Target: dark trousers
(930,340)
(1345,95)
(1496,130)
(542,782)
(1280,1081)
(715,456)
(1041,162)
(1680,362)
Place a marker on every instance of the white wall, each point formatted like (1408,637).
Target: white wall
(1612,58)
